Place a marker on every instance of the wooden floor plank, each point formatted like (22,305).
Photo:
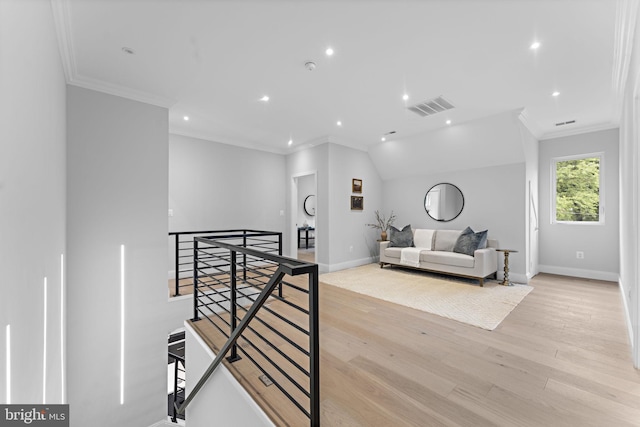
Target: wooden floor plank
(560,358)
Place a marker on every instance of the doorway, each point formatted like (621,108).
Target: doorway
(304,216)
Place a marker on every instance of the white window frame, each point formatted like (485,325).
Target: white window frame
(554,162)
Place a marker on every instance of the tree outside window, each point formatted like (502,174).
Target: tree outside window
(578,195)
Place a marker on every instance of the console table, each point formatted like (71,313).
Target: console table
(306,237)
(505,281)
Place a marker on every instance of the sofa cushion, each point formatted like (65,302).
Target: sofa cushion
(401,238)
(445,240)
(469,241)
(423,238)
(447,258)
(393,252)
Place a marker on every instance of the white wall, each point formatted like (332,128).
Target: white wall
(222,399)
(351,242)
(600,243)
(117,174)
(629,194)
(215,186)
(32,198)
(532,203)
(494,200)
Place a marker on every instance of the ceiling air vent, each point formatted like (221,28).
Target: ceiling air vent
(431,107)
(569,122)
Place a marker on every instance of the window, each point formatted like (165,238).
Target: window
(577,189)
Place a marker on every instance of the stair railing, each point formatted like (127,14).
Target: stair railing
(268,241)
(179,375)
(227,279)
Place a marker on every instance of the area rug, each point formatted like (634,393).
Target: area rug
(454,298)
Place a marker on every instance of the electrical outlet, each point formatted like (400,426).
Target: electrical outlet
(580,255)
(170,212)
(350,248)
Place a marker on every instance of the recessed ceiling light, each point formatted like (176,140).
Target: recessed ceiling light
(186,118)
(265,98)
(556,93)
(405,97)
(448,122)
(329,51)
(339,123)
(383,139)
(128,50)
(534,45)
(290,142)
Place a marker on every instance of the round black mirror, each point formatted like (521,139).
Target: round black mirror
(444,202)
(310,205)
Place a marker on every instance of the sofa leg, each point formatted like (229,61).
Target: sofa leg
(381,264)
(481,282)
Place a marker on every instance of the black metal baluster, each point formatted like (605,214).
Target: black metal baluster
(233,309)
(195,281)
(175,390)
(280,254)
(314,350)
(244,256)
(177,265)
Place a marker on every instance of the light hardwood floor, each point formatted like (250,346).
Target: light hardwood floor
(561,358)
(307,255)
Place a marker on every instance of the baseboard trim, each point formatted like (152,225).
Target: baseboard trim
(578,272)
(349,264)
(518,278)
(627,318)
(323,268)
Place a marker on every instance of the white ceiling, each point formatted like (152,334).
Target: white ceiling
(213,60)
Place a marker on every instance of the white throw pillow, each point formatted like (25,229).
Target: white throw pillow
(423,239)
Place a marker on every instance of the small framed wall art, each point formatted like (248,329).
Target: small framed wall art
(357,203)
(356,185)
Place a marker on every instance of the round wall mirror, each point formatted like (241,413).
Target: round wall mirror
(444,202)
(310,205)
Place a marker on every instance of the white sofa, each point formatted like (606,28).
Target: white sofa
(436,254)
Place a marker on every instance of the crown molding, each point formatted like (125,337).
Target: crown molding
(332,139)
(64,32)
(626,20)
(121,91)
(530,124)
(208,136)
(580,130)
(61,19)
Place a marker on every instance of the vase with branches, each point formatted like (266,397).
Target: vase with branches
(383,223)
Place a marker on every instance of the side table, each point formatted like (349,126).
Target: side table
(306,236)
(505,281)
